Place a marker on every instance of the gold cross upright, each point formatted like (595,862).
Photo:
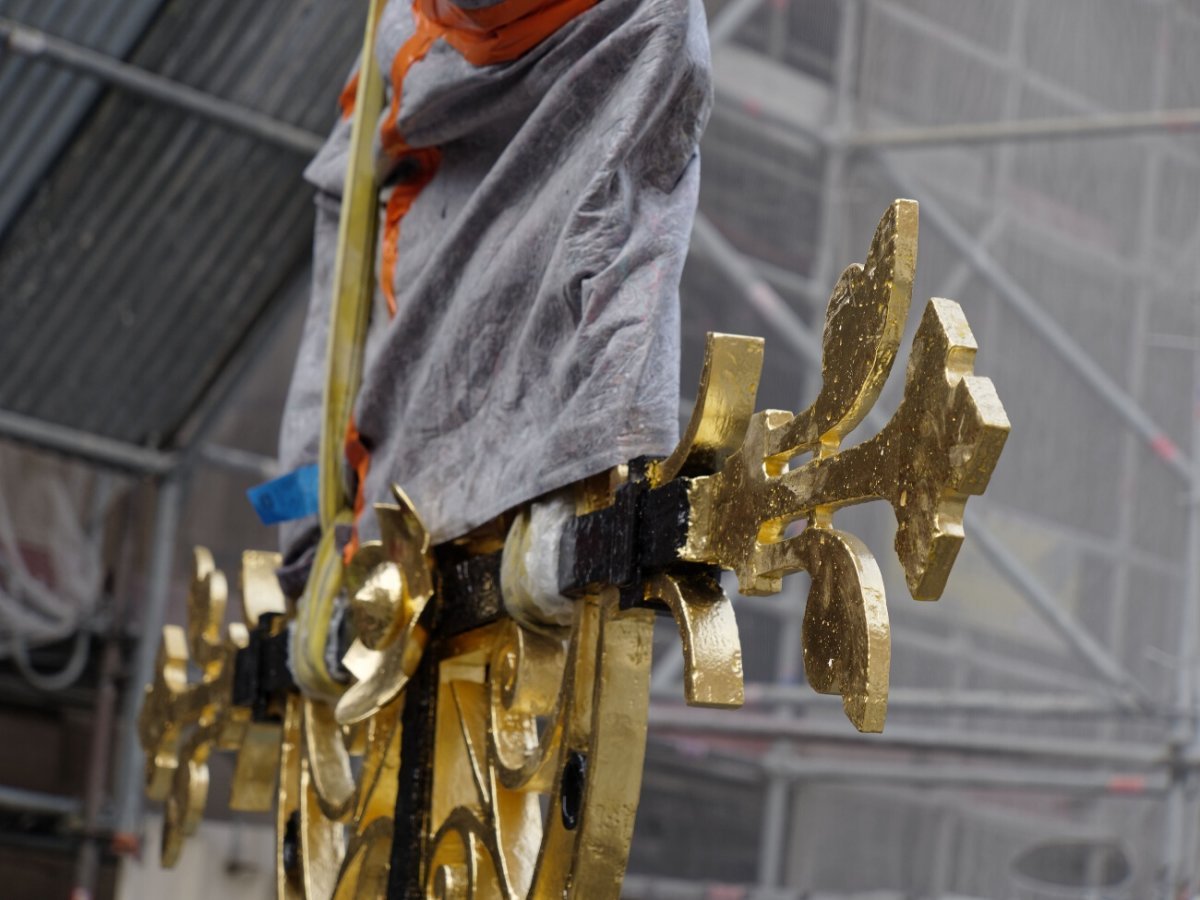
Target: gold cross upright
(940,447)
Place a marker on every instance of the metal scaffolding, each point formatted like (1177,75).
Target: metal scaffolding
(1166,769)
(804,738)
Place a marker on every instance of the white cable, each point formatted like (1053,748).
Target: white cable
(64,677)
(31,612)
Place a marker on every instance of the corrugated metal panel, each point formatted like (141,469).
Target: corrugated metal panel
(158,239)
(43,105)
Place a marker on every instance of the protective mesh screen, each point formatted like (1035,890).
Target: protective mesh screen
(1100,237)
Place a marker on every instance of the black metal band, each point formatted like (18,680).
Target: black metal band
(261,677)
(468,590)
(414,793)
(640,534)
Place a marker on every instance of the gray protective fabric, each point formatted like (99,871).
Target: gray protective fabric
(536,339)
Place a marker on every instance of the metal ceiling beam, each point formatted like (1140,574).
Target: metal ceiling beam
(1058,92)
(244,462)
(83,445)
(112,454)
(40,45)
(61,103)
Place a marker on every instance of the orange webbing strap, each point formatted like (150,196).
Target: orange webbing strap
(353,285)
(347,97)
(359,459)
(503,31)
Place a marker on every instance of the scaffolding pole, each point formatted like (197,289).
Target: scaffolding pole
(1175,121)
(672,717)
(977,702)
(40,45)
(92,448)
(129,788)
(972,777)
(21,800)
(1043,324)
(789,665)
(731,17)
(1023,304)
(1178,864)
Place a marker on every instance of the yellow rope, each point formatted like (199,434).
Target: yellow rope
(353,285)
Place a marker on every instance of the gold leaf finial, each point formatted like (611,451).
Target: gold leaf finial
(939,447)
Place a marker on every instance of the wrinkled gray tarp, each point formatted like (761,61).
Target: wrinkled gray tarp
(536,340)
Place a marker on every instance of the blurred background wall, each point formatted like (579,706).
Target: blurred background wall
(1041,741)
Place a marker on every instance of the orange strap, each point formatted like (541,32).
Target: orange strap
(498,33)
(501,32)
(348,95)
(360,461)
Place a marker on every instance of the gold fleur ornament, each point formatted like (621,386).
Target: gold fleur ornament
(940,447)
(181,722)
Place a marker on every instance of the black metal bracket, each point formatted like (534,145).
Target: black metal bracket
(639,535)
(261,677)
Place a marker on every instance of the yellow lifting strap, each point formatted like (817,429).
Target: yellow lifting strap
(353,286)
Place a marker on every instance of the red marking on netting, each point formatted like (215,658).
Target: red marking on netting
(1182,126)
(752,106)
(763,294)
(1165,448)
(1127,784)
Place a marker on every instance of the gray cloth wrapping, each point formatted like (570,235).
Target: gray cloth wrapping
(536,340)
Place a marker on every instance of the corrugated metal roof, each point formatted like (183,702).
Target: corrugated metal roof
(157,239)
(42,105)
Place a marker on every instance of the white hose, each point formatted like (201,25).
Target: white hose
(31,612)
(64,677)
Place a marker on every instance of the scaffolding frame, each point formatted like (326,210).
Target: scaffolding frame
(1173,775)
(1168,770)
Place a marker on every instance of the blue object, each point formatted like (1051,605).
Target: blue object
(291,496)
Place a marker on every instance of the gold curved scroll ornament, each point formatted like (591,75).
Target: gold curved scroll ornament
(522,714)
(864,322)
(181,721)
(319,857)
(393,583)
(712,650)
(491,839)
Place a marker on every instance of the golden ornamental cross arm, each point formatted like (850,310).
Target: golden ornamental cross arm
(746,485)
(939,447)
